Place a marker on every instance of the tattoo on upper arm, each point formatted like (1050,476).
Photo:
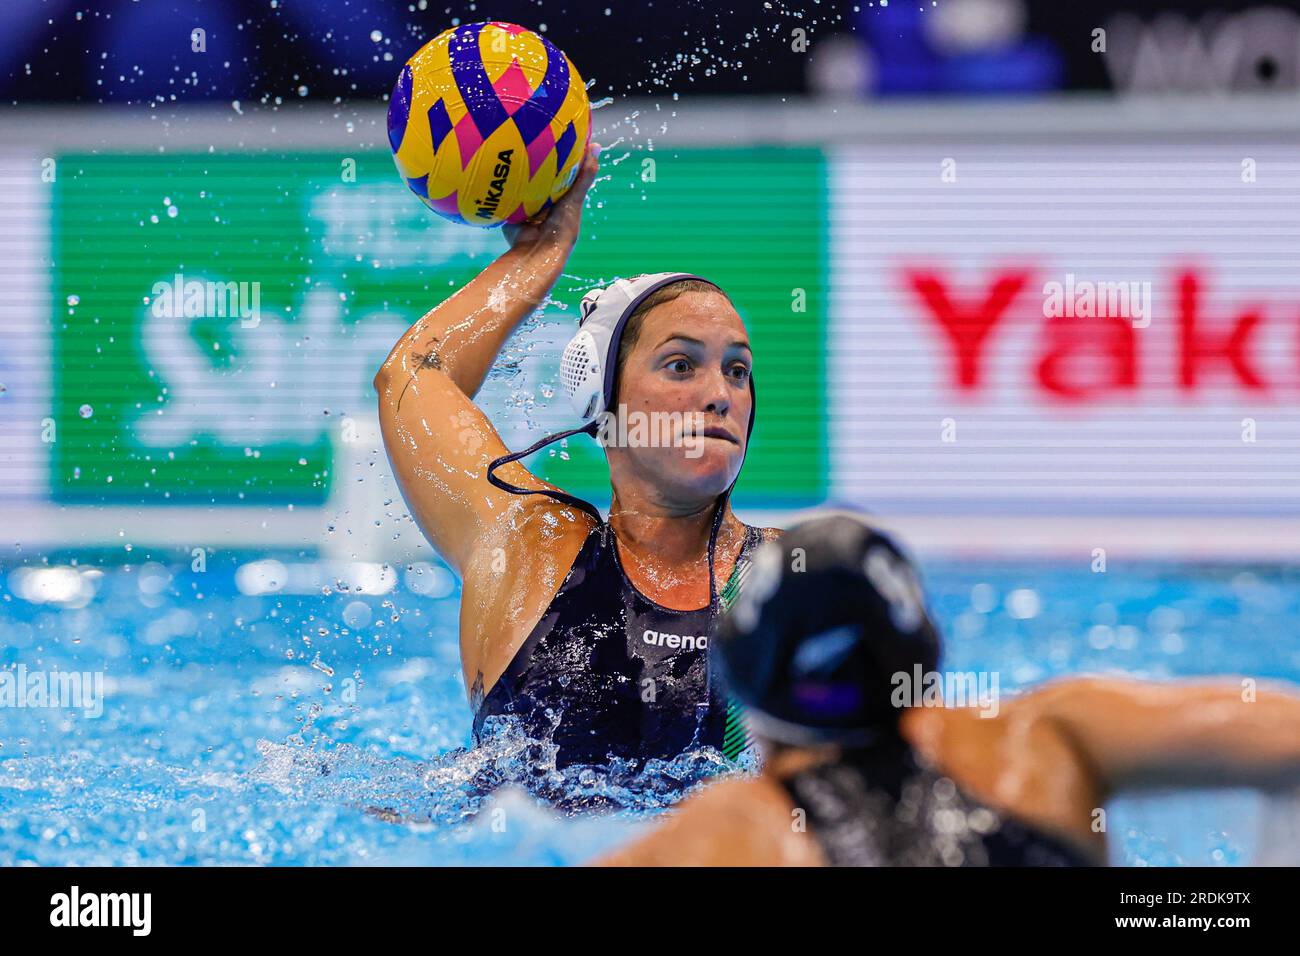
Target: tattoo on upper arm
(429,359)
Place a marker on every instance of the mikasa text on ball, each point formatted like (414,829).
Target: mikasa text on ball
(489,123)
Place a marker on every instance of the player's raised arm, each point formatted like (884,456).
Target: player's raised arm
(438,440)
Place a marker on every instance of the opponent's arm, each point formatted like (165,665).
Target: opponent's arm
(438,441)
(1145,734)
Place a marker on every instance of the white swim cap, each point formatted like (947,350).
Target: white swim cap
(587,365)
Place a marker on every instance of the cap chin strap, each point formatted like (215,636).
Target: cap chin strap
(713,540)
(590,428)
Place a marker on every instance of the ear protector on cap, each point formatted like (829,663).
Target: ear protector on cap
(587,365)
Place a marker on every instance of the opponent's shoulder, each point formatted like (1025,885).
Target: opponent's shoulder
(971,741)
(738,822)
(1023,753)
(1016,713)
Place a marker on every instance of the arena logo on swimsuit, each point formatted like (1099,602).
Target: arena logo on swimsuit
(488,207)
(685,642)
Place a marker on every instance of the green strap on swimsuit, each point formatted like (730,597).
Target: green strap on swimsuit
(735,733)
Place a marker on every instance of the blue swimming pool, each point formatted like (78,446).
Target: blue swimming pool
(287,710)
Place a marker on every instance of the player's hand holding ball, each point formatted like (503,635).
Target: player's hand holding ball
(490,124)
(558,226)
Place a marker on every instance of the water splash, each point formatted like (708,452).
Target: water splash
(452,789)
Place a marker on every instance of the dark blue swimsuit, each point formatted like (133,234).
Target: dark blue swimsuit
(890,809)
(609,673)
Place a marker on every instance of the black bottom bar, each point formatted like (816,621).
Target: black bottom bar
(367,905)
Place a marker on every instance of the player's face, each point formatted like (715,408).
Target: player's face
(686,380)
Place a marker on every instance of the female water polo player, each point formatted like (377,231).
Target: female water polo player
(593,633)
(856,774)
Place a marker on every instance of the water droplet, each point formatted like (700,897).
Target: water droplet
(86,411)
(74,300)
(357,614)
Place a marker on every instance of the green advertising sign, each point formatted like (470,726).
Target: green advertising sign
(220,317)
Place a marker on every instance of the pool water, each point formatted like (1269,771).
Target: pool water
(293,711)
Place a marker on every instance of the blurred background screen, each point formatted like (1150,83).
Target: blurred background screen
(892,192)
(1020,277)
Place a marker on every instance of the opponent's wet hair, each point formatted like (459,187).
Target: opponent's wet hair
(829,616)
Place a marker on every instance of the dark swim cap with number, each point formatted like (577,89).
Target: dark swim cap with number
(830,614)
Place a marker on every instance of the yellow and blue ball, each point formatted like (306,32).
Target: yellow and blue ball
(489,123)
